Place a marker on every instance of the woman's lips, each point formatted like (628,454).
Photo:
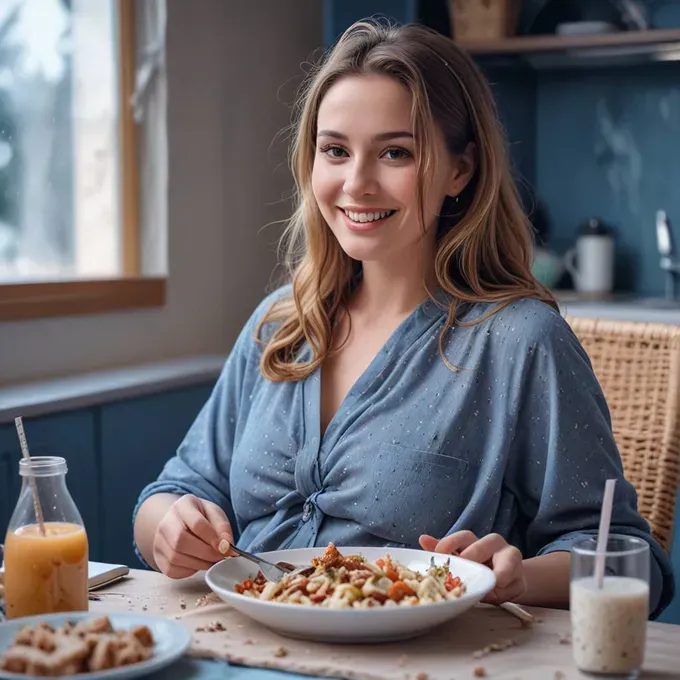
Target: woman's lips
(368,225)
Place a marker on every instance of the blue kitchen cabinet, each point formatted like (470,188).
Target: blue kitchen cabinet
(9,483)
(70,435)
(137,437)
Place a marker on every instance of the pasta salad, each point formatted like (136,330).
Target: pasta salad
(343,582)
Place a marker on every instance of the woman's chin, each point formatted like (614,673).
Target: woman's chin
(362,248)
(365,254)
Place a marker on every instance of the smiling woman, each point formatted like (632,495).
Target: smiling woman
(69,227)
(413,385)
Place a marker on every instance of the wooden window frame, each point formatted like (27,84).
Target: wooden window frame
(91,296)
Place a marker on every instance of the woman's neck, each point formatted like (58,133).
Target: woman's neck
(393,288)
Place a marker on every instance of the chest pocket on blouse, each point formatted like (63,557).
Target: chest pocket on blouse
(415,492)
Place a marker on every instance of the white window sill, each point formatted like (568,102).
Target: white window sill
(81,391)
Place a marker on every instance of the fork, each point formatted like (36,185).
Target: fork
(272,572)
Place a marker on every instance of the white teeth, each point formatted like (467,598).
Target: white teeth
(368,217)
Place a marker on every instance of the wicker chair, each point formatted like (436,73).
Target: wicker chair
(638,367)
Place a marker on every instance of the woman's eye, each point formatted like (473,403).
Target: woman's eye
(397,154)
(334,151)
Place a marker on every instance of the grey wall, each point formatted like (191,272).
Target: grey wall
(232,69)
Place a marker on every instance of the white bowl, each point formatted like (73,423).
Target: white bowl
(377,624)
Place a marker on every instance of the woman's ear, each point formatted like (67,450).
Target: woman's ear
(464,166)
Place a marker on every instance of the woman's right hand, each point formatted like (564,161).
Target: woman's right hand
(188,536)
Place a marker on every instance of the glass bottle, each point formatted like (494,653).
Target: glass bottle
(45,562)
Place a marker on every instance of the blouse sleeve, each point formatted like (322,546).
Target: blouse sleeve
(564,451)
(201,464)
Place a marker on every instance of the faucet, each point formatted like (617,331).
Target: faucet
(669,262)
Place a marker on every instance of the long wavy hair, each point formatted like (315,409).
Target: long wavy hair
(484,246)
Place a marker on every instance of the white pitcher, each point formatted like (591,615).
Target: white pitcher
(591,262)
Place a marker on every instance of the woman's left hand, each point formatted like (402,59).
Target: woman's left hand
(494,551)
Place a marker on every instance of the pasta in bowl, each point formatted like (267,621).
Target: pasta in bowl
(337,581)
(349,617)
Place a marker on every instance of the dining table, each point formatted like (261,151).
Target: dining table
(485,641)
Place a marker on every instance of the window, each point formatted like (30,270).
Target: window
(69,208)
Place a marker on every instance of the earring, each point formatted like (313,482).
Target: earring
(456,199)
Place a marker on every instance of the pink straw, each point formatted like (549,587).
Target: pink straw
(603,536)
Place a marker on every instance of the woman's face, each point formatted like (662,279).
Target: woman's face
(365,172)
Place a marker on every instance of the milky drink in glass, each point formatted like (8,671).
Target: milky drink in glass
(609,622)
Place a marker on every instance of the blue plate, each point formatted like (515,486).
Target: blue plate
(171,641)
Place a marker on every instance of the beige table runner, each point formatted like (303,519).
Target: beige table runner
(454,652)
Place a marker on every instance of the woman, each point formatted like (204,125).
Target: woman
(414,385)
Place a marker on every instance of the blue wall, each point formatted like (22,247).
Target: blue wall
(515,95)
(607,144)
(612,149)
(340,14)
(602,142)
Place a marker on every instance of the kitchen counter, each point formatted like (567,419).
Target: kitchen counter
(621,307)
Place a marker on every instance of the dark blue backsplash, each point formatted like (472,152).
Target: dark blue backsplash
(515,95)
(340,14)
(608,145)
(602,142)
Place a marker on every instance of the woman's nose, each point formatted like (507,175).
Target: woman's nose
(360,180)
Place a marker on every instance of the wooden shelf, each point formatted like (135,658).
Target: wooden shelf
(624,47)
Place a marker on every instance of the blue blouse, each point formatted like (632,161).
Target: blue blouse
(518,441)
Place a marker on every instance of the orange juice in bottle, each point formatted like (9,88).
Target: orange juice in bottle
(45,564)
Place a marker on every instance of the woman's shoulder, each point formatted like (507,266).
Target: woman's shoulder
(537,319)
(532,321)
(524,326)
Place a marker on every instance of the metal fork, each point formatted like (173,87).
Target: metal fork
(271,571)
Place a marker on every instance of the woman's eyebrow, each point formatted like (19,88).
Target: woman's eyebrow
(381,137)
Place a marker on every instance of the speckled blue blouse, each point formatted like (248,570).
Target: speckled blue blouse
(518,442)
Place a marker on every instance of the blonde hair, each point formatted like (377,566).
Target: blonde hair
(486,258)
